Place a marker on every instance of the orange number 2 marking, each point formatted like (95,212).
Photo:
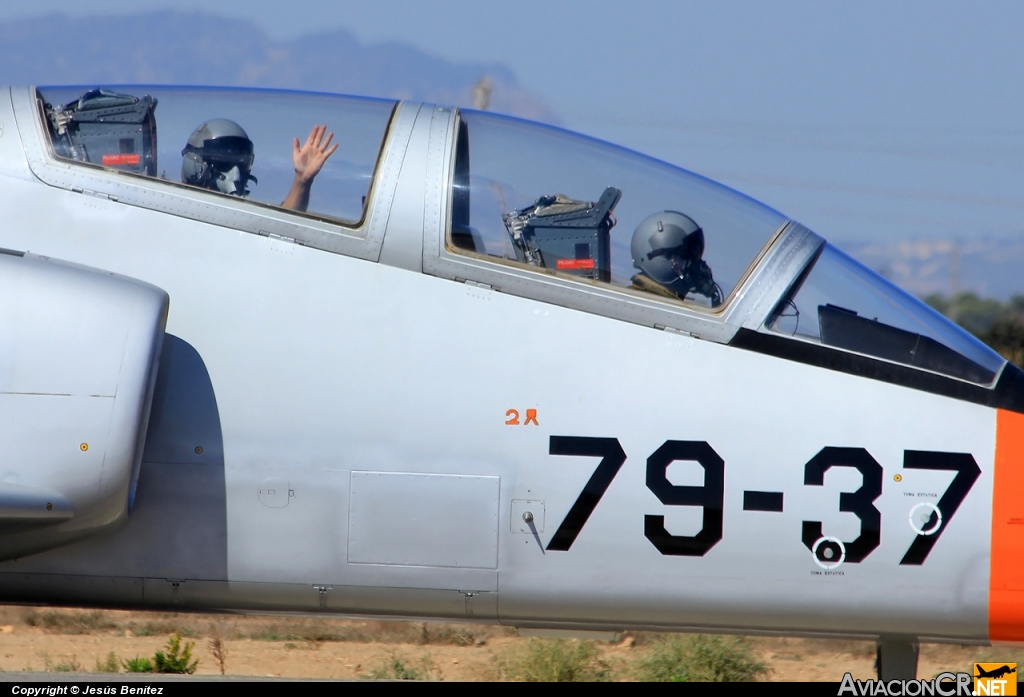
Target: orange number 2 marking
(513,417)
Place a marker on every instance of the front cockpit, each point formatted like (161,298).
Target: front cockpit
(563,205)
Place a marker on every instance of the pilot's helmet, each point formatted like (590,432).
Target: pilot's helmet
(218,156)
(664,241)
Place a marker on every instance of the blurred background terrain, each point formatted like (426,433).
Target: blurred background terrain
(197,48)
(55,640)
(892,130)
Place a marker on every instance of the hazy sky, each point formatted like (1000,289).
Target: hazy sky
(873,120)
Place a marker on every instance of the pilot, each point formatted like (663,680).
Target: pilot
(667,248)
(219,157)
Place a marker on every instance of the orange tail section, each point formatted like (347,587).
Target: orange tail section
(1006,582)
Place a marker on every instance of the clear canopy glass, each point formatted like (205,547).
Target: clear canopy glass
(570,205)
(145,129)
(839,302)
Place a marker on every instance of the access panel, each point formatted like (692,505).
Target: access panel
(405,519)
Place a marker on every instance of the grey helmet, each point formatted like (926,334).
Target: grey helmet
(218,156)
(668,248)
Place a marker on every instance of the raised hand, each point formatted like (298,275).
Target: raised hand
(309,159)
(311,156)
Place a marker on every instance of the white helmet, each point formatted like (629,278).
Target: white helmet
(218,156)
(667,248)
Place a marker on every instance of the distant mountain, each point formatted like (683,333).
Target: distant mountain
(202,49)
(989,268)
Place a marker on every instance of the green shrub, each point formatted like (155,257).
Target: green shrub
(701,658)
(138,665)
(555,660)
(397,667)
(111,665)
(72,666)
(176,660)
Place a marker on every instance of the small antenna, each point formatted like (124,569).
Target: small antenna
(482,94)
(954,269)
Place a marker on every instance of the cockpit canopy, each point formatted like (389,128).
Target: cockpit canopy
(563,204)
(531,198)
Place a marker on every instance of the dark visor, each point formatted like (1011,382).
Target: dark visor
(226,152)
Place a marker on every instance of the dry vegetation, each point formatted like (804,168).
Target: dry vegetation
(314,647)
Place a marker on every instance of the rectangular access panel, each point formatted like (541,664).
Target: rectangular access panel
(412,519)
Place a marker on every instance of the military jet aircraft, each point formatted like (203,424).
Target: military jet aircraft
(483,370)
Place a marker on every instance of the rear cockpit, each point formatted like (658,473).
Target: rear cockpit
(239,143)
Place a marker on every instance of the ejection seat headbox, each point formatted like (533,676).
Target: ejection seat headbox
(106,128)
(558,232)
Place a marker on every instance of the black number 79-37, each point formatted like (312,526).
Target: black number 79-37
(711,495)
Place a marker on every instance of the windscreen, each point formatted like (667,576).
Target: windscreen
(839,302)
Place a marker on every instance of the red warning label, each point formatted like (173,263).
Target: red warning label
(575,263)
(115,160)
